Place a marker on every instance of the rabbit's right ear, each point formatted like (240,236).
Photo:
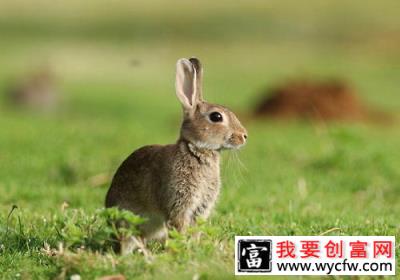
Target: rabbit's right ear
(186,84)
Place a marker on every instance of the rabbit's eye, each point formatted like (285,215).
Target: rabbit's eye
(216,117)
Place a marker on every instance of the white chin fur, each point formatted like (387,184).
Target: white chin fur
(208,146)
(230,146)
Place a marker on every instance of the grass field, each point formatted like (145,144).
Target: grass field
(115,67)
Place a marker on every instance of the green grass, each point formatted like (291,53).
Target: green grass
(112,106)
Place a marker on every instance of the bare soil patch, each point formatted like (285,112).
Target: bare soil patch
(331,100)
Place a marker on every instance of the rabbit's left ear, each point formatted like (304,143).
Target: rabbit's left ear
(186,84)
(199,77)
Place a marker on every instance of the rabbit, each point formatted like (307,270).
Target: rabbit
(175,184)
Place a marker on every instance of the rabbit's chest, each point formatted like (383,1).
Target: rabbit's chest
(205,193)
(195,184)
(206,186)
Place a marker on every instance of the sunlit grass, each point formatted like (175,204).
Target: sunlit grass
(118,94)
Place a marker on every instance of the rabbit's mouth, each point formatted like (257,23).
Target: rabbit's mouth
(236,141)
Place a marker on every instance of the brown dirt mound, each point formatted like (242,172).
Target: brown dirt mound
(315,100)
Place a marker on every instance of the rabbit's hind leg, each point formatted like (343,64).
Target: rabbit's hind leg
(160,234)
(154,228)
(129,244)
(132,243)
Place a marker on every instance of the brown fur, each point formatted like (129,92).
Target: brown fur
(173,185)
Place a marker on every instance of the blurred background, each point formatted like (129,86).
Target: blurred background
(316,83)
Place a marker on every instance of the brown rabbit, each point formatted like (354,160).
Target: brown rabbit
(174,184)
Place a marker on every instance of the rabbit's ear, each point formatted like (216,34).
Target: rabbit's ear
(199,77)
(186,84)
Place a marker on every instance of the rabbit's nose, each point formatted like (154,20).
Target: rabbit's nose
(242,137)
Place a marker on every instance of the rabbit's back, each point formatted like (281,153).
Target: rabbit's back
(137,184)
